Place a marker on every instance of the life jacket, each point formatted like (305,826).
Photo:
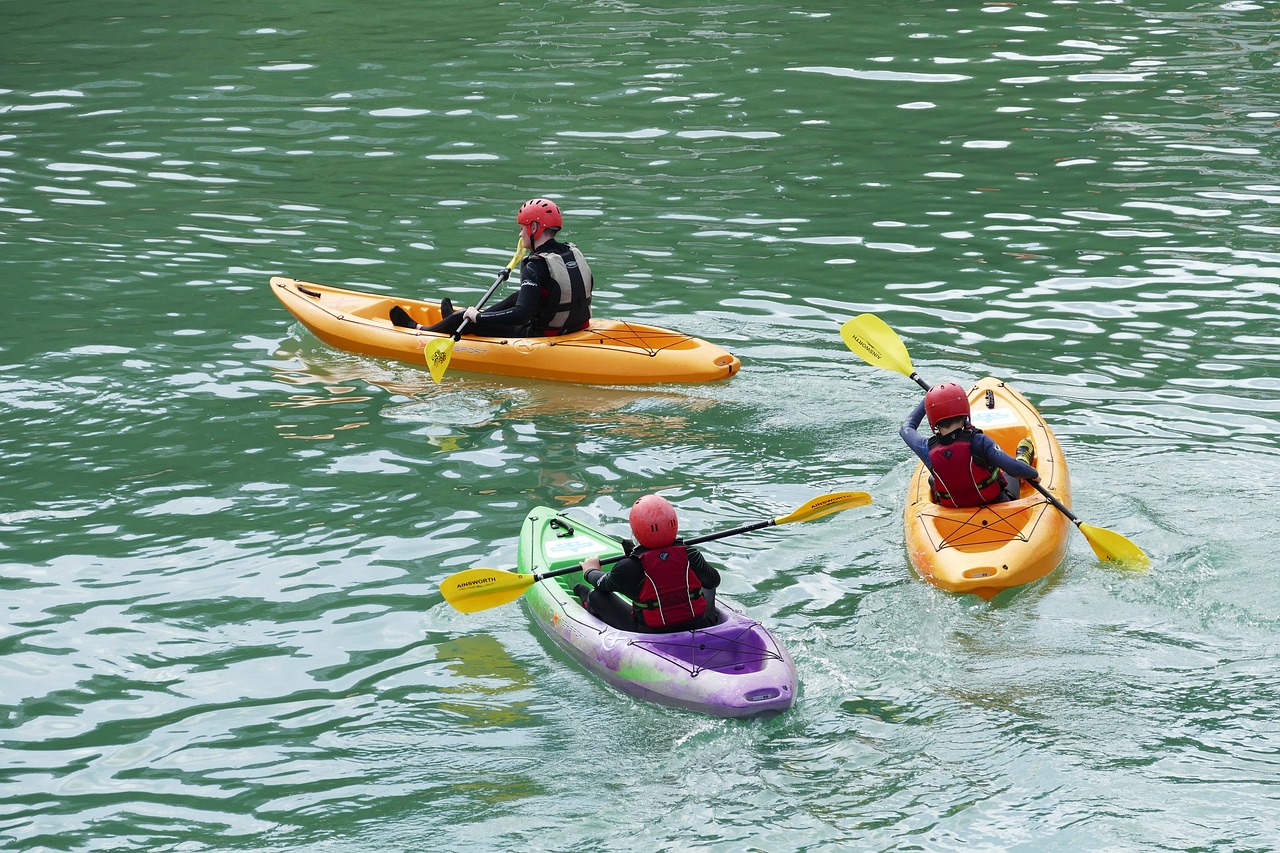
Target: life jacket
(572,311)
(671,593)
(958,480)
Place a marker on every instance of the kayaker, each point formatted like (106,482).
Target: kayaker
(669,585)
(555,287)
(968,468)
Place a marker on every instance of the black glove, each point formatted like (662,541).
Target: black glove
(628,546)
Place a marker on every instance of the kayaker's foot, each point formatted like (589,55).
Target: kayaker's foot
(446,308)
(401,318)
(1026,452)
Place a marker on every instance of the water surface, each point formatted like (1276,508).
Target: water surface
(221,541)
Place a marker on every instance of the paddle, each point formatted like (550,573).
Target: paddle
(480,589)
(879,345)
(870,337)
(439,352)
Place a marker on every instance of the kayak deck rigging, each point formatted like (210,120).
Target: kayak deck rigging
(747,650)
(630,335)
(740,652)
(993,524)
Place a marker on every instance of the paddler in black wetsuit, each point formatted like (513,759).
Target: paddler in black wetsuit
(555,287)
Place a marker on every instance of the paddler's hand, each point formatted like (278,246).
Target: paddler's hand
(589,565)
(471,314)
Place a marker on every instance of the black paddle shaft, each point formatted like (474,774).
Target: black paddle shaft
(502,276)
(1059,505)
(746,528)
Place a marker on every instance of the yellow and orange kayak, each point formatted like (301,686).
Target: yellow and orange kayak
(609,352)
(986,550)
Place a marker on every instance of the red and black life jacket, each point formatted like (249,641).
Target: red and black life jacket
(958,480)
(671,593)
(572,310)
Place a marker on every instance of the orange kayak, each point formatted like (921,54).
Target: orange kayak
(609,352)
(986,550)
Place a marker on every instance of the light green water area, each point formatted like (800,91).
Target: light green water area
(221,540)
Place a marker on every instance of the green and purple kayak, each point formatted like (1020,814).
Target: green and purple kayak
(735,668)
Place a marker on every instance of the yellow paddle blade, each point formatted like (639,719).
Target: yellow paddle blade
(479,589)
(876,343)
(438,353)
(1112,547)
(825,505)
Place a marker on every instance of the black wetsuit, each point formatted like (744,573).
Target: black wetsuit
(532,310)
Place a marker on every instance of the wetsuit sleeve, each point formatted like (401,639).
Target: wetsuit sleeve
(986,450)
(626,578)
(707,576)
(516,310)
(908,431)
(521,307)
(508,302)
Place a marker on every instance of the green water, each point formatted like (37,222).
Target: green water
(221,541)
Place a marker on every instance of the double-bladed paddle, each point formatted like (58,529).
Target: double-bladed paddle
(480,589)
(439,352)
(879,346)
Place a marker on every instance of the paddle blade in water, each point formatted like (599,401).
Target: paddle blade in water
(876,343)
(1114,548)
(824,505)
(438,353)
(472,590)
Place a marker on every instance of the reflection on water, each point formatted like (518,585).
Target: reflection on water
(481,659)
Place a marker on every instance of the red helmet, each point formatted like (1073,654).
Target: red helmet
(537,215)
(944,401)
(653,522)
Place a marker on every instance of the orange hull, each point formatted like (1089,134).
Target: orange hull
(986,550)
(610,352)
